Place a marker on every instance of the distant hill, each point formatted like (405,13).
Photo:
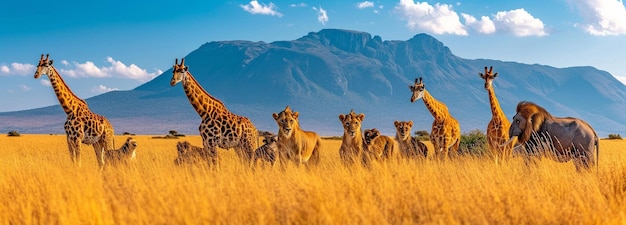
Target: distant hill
(332,71)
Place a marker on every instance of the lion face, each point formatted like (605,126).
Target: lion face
(370,134)
(403,129)
(351,123)
(287,121)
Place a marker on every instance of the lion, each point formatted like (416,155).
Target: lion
(379,147)
(124,154)
(295,144)
(268,151)
(410,147)
(352,143)
(188,153)
(560,138)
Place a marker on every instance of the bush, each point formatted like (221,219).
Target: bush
(473,143)
(13,133)
(422,135)
(175,133)
(615,136)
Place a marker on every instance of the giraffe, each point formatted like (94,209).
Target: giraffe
(498,127)
(82,125)
(446,132)
(219,127)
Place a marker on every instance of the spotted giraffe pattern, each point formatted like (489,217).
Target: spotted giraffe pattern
(82,125)
(219,127)
(446,131)
(498,127)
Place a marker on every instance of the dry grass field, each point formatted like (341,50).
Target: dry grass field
(39,185)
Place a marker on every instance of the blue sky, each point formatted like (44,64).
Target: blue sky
(100,46)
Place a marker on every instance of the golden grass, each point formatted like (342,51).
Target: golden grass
(39,185)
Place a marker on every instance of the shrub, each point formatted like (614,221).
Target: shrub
(473,143)
(422,135)
(13,133)
(615,136)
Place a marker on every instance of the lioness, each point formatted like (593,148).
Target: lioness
(410,147)
(295,144)
(379,147)
(188,153)
(122,155)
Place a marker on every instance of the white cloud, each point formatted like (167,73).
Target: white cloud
(483,26)
(102,89)
(519,23)
(132,72)
(438,19)
(299,5)
(17,69)
(117,69)
(602,17)
(45,82)
(4,69)
(65,62)
(255,7)
(24,87)
(365,4)
(322,17)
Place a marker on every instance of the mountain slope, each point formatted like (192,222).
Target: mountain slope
(332,71)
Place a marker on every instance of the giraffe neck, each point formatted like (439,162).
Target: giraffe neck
(67,99)
(496,111)
(436,108)
(204,104)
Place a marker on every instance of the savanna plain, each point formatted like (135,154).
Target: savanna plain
(40,185)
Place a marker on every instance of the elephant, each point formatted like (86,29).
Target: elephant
(560,138)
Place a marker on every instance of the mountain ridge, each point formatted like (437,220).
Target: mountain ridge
(332,71)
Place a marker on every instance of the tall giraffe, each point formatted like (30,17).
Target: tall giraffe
(498,127)
(446,132)
(82,125)
(219,127)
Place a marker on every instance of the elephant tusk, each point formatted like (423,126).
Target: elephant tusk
(509,141)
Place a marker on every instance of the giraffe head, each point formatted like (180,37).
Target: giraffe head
(418,89)
(287,121)
(488,76)
(180,70)
(44,66)
(351,123)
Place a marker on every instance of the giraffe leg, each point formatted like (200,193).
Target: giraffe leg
(99,149)
(74,148)
(210,152)
(445,149)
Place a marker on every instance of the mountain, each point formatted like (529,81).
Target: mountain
(332,71)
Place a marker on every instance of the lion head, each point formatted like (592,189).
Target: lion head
(287,121)
(351,123)
(403,129)
(370,134)
(528,119)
